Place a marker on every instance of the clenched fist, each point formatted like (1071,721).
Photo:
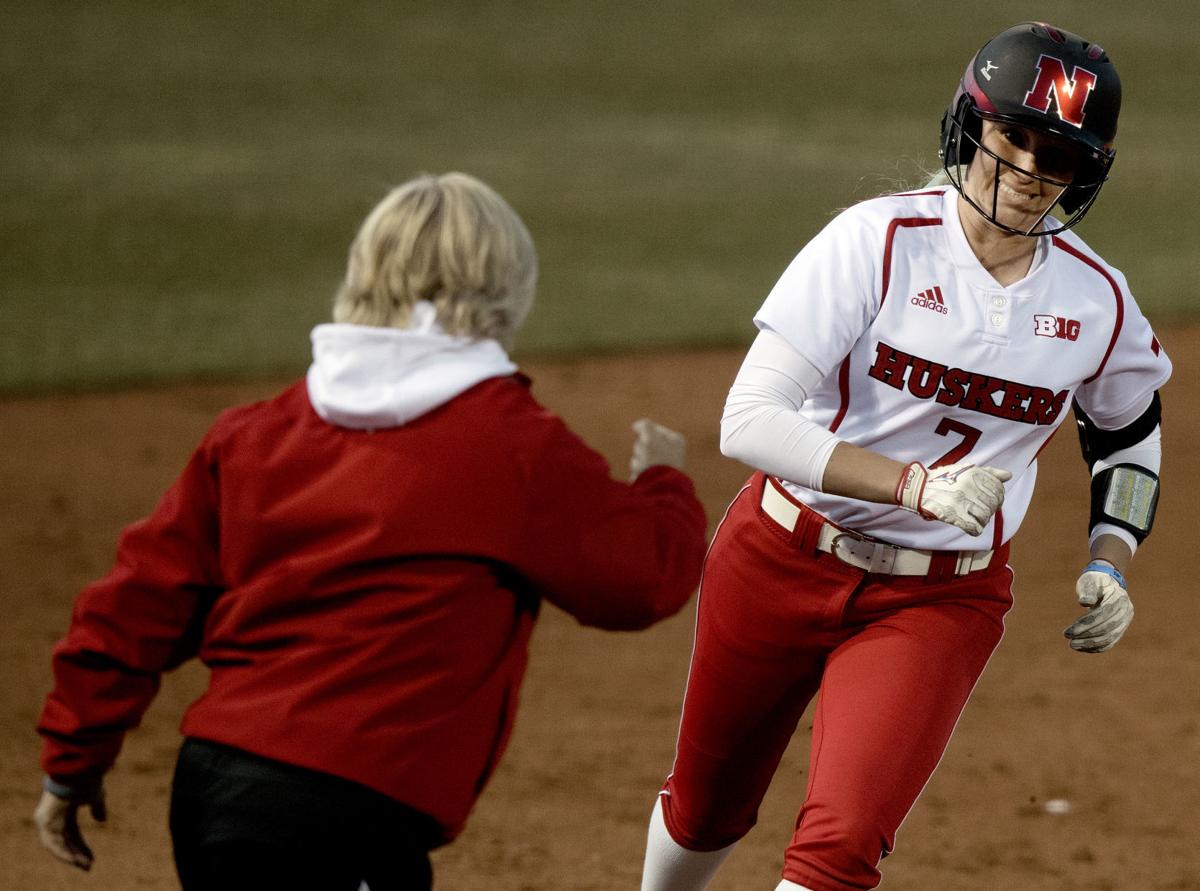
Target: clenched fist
(655,444)
(963,495)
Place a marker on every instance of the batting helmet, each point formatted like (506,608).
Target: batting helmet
(1048,80)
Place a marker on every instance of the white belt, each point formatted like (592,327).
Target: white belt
(861,552)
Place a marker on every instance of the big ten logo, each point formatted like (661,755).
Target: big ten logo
(1055,326)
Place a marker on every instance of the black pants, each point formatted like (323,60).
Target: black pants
(240,822)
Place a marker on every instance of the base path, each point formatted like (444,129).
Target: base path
(1116,737)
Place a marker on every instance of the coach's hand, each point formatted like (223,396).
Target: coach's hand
(1103,590)
(963,495)
(655,444)
(57,821)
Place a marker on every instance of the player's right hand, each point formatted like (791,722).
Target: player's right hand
(963,495)
(655,444)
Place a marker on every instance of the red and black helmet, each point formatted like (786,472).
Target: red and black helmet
(1046,79)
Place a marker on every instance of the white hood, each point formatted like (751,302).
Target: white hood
(364,377)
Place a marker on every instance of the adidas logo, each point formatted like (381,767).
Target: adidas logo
(931,299)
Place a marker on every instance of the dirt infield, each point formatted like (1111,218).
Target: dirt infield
(1116,736)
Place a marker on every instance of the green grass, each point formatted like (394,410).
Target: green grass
(179,182)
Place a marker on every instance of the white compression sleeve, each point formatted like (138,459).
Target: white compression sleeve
(1148,454)
(761,425)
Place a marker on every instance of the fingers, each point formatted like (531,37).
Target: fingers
(656,444)
(989,486)
(57,845)
(969,526)
(976,517)
(963,496)
(58,829)
(99,809)
(1101,642)
(639,460)
(963,519)
(647,429)
(1092,586)
(54,842)
(1107,632)
(74,840)
(1099,629)
(1101,621)
(981,511)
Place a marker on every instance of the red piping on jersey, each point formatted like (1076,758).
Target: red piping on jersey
(1042,447)
(844,390)
(887,246)
(844,371)
(998,530)
(1079,255)
(918,194)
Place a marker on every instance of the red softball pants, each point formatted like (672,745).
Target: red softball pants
(894,658)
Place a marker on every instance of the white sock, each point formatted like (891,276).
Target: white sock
(785,885)
(671,867)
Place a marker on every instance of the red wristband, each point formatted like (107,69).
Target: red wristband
(911,486)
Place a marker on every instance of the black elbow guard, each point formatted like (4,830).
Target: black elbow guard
(1097,444)
(1125,496)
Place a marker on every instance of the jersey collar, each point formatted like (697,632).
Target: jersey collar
(968,264)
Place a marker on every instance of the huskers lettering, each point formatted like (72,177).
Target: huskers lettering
(970,390)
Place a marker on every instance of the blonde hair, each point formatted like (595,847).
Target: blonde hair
(450,240)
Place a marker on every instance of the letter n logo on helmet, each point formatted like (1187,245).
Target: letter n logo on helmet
(1070,94)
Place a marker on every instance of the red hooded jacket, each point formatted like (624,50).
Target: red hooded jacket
(364,599)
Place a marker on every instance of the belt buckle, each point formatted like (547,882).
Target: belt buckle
(881,559)
(849,556)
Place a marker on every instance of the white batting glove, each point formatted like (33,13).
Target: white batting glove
(963,495)
(655,444)
(1103,590)
(57,821)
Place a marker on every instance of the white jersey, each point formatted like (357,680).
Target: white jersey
(927,358)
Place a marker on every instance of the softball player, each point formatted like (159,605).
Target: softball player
(910,365)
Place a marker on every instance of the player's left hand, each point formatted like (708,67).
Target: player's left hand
(1103,590)
(57,821)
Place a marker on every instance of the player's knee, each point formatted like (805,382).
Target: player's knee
(837,849)
(700,828)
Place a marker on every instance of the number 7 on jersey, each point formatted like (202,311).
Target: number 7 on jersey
(969,434)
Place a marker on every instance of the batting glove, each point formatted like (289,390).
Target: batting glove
(57,819)
(655,444)
(1103,590)
(963,495)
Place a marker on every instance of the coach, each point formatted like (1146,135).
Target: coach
(359,562)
